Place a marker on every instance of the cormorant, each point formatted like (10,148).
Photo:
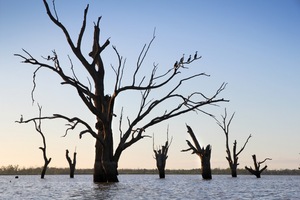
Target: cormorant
(189,59)
(176,64)
(195,56)
(182,59)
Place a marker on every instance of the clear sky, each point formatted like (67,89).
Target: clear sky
(254,46)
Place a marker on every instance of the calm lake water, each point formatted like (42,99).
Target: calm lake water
(151,187)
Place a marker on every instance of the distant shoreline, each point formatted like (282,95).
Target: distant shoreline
(15,170)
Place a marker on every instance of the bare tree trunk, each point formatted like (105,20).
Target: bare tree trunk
(38,127)
(161,155)
(232,159)
(71,164)
(99,173)
(233,169)
(256,171)
(204,154)
(205,163)
(160,163)
(105,168)
(45,168)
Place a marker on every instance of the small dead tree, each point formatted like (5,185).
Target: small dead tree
(204,154)
(256,171)
(161,155)
(71,164)
(232,159)
(38,127)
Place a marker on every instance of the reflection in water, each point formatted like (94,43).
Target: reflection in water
(105,190)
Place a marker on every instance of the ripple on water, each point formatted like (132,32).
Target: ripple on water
(150,187)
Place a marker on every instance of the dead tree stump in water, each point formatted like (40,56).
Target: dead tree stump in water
(38,127)
(204,154)
(71,164)
(232,158)
(257,171)
(161,155)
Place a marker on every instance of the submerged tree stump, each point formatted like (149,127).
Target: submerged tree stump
(38,127)
(204,154)
(71,164)
(232,158)
(161,155)
(257,171)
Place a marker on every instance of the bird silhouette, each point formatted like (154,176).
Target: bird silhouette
(189,59)
(195,56)
(182,59)
(176,65)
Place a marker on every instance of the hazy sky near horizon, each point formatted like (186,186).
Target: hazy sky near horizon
(254,46)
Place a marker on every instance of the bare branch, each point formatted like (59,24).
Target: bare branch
(142,57)
(259,163)
(120,123)
(34,84)
(73,124)
(76,50)
(82,27)
(194,150)
(53,2)
(244,145)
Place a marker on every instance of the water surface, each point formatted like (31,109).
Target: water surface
(150,187)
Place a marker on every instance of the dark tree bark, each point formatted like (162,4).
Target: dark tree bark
(161,155)
(203,153)
(38,127)
(256,171)
(101,105)
(72,165)
(232,159)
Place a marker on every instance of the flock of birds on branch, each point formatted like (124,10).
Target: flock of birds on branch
(179,64)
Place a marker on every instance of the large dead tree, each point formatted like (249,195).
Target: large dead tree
(161,155)
(257,171)
(203,153)
(102,105)
(38,127)
(72,164)
(231,158)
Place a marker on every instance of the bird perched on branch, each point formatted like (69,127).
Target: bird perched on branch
(195,56)
(176,65)
(182,59)
(189,59)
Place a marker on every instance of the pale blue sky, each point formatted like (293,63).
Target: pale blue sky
(254,46)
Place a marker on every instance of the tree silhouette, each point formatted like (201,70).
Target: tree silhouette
(203,153)
(38,127)
(102,105)
(232,159)
(161,155)
(257,171)
(72,165)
